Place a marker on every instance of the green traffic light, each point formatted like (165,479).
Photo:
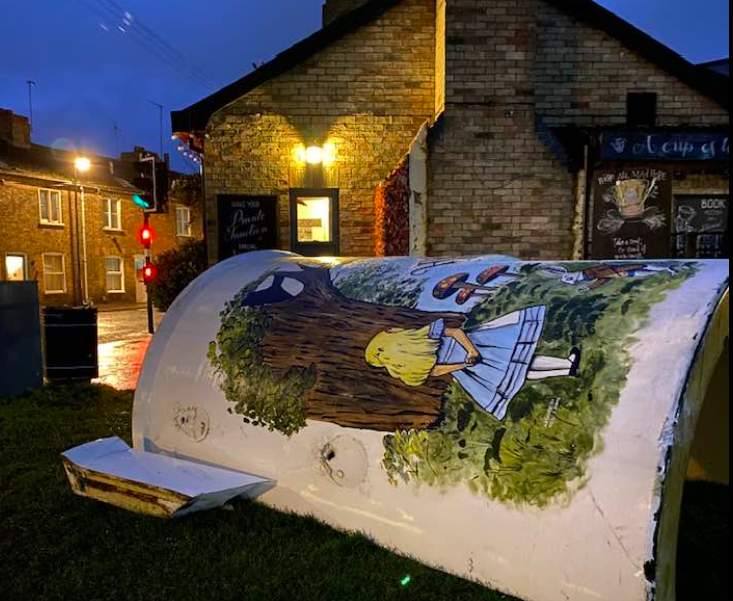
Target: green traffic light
(139,201)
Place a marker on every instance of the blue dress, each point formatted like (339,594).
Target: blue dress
(507,346)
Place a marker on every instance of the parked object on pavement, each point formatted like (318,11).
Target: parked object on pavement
(537,428)
(71,337)
(21,361)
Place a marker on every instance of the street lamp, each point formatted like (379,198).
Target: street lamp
(82,165)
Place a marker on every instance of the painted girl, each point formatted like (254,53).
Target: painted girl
(491,362)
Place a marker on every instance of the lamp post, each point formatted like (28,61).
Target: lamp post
(83,165)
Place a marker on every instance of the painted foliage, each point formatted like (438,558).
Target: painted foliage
(496,375)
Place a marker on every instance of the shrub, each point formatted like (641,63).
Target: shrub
(177,268)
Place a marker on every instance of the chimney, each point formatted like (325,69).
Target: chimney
(333,9)
(15,129)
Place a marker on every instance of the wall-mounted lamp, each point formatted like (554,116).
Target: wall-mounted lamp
(316,155)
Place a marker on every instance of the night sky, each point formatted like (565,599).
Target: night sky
(91,74)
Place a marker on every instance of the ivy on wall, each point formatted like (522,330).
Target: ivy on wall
(392,204)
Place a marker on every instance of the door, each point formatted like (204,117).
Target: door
(16,267)
(141,291)
(315,222)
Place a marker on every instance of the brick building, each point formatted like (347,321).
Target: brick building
(80,249)
(542,129)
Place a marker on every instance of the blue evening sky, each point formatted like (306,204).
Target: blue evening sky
(100,62)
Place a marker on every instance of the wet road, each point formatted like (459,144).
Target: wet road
(123,341)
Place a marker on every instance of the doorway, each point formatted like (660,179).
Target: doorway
(141,291)
(315,222)
(16,267)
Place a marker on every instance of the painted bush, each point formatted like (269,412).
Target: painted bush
(500,378)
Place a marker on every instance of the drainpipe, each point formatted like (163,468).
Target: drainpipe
(85,268)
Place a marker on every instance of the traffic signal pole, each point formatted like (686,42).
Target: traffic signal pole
(146,237)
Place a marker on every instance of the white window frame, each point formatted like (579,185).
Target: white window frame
(120,273)
(52,193)
(189,233)
(109,204)
(24,256)
(62,273)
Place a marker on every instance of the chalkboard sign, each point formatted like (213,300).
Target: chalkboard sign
(701,225)
(660,146)
(632,213)
(246,224)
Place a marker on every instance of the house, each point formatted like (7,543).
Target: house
(77,233)
(542,129)
(721,66)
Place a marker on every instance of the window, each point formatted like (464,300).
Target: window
(641,109)
(54,273)
(16,269)
(112,214)
(115,270)
(315,223)
(183,222)
(50,201)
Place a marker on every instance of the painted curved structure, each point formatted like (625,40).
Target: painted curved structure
(525,425)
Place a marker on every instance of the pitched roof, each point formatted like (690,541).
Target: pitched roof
(44,163)
(196,117)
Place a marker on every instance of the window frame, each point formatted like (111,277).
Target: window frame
(181,208)
(23,256)
(120,273)
(46,274)
(48,222)
(117,204)
(316,249)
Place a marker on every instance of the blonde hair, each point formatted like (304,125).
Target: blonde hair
(407,355)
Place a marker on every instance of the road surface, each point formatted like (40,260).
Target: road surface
(123,341)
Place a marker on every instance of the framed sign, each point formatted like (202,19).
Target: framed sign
(701,226)
(632,217)
(246,224)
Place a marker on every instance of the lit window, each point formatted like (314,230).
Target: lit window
(115,271)
(50,201)
(15,267)
(112,214)
(54,273)
(183,222)
(314,220)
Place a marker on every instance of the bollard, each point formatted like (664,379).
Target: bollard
(524,425)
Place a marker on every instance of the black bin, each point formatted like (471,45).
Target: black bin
(71,344)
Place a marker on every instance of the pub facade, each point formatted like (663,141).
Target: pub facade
(539,129)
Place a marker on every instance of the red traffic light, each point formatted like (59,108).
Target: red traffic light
(150,272)
(146,236)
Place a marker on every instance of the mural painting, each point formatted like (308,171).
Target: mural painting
(497,376)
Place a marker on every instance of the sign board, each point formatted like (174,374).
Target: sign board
(665,146)
(246,224)
(632,213)
(705,218)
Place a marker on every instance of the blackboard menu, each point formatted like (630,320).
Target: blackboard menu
(701,225)
(246,224)
(632,213)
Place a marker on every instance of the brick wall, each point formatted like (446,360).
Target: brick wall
(21,232)
(515,68)
(367,93)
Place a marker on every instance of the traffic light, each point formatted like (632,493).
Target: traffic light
(146,234)
(150,273)
(145,182)
(161,186)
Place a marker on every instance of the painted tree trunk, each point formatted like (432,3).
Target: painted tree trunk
(324,329)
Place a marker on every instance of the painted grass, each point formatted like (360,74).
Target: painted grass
(55,546)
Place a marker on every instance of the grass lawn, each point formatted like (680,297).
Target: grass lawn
(54,545)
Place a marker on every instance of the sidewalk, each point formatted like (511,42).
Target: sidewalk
(118,307)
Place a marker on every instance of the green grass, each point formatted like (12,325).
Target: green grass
(56,546)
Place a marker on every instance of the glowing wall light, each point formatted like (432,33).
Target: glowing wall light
(316,155)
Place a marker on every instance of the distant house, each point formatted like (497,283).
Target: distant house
(77,234)
(542,129)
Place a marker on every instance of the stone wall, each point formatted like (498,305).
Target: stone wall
(516,68)
(368,94)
